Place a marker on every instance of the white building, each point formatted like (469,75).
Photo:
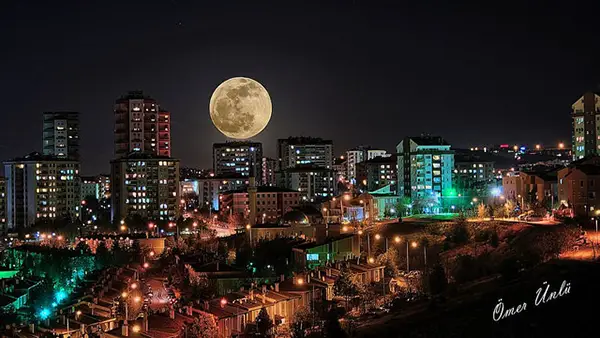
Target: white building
(360,154)
(295,151)
(41,187)
(145,185)
(425,166)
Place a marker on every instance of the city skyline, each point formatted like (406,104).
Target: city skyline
(511,80)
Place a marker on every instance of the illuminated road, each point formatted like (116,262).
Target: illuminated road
(160,297)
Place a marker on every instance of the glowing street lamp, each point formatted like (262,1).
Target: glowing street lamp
(223,302)
(397,239)
(136,328)
(137,299)
(195,224)
(133,286)
(345,228)
(248,226)
(413,244)
(371,260)
(300,281)
(377,236)
(151,254)
(124,294)
(146,265)
(360,232)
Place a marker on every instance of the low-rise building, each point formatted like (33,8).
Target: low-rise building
(271,202)
(333,249)
(579,188)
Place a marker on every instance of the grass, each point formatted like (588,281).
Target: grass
(435,217)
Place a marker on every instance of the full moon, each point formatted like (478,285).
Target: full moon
(240,108)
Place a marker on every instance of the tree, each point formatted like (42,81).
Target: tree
(264,323)
(332,327)
(401,207)
(437,280)
(509,208)
(204,326)
(481,211)
(300,322)
(390,260)
(458,234)
(344,286)
(82,247)
(103,257)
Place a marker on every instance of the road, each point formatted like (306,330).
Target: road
(160,297)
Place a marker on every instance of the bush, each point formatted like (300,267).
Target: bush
(465,269)
(482,235)
(459,234)
(509,268)
(494,240)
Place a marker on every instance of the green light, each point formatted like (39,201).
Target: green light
(450,192)
(44,313)
(60,295)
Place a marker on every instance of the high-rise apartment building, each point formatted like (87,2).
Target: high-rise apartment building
(141,126)
(269,167)
(312,182)
(586,125)
(61,134)
(232,159)
(2,204)
(378,172)
(425,167)
(146,185)
(359,154)
(294,151)
(41,187)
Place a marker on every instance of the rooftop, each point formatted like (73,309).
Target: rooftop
(237,144)
(138,155)
(307,167)
(428,140)
(304,140)
(261,189)
(36,156)
(383,159)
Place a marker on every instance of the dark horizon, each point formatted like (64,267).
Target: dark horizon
(353,71)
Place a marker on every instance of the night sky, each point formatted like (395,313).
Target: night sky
(349,70)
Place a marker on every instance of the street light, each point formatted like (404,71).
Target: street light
(371,260)
(124,294)
(377,236)
(397,239)
(123,228)
(146,265)
(137,299)
(133,286)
